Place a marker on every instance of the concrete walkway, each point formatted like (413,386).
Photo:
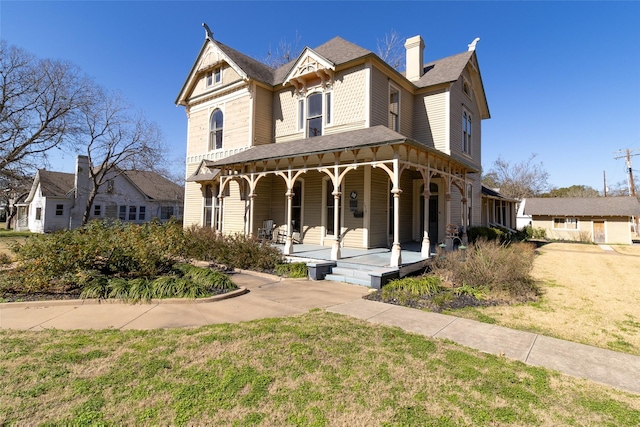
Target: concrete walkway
(269,296)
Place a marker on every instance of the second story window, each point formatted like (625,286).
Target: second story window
(394,109)
(314,112)
(214,77)
(466,132)
(215,130)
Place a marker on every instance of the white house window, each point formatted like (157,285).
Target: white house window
(38,214)
(314,112)
(466,132)
(212,205)
(97,210)
(166,212)
(59,210)
(394,108)
(142,213)
(565,223)
(132,213)
(214,77)
(215,130)
(122,214)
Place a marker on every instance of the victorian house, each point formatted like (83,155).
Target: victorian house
(336,148)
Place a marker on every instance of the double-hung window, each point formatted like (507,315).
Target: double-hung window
(59,210)
(314,112)
(466,132)
(214,77)
(394,109)
(215,130)
(565,223)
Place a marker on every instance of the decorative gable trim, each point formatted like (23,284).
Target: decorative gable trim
(308,68)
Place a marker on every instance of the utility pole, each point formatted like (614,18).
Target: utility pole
(632,187)
(604,175)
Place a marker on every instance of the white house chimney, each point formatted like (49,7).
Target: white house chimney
(415,58)
(82,187)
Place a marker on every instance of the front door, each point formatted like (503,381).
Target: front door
(598,232)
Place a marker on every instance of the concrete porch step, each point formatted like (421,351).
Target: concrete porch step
(350,272)
(349,279)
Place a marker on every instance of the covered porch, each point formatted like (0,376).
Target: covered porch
(370,190)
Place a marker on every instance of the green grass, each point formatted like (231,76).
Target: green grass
(318,369)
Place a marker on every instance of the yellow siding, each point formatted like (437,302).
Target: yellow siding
(406,112)
(379,98)
(198,142)
(236,123)
(354,181)
(430,120)
(406,207)
(349,96)
(192,200)
(263,132)
(285,114)
(234,210)
(379,208)
(460,100)
(312,205)
(617,229)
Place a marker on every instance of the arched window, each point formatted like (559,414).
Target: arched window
(215,130)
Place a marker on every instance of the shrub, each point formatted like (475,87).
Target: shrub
(296,270)
(184,281)
(537,233)
(5,259)
(487,264)
(231,251)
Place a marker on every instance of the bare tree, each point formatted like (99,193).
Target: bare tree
(520,180)
(284,53)
(391,50)
(117,139)
(39,102)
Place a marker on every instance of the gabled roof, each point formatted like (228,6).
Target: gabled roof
(582,206)
(155,186)
(56,184)
(151,184)
(445,70)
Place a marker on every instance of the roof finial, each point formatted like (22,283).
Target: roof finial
(472,46)
(208,34)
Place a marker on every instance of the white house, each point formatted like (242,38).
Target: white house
(57,199)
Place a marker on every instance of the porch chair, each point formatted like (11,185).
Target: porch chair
(266,231)
(453,239)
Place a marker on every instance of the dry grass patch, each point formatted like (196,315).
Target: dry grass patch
(315,369)
(590,296)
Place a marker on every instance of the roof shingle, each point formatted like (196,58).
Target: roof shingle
(582,206)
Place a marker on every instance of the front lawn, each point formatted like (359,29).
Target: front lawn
(318,369)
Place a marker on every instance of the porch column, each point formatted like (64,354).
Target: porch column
(465,221)
(335,248)
(396,252)
(218,213)
(288,244)
(447,218)
(426,243)
(252,197)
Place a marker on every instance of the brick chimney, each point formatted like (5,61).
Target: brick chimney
(415,58)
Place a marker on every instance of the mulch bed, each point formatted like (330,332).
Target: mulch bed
(428,303)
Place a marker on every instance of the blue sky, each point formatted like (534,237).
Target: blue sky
(562,79)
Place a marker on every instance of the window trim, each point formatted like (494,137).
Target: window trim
(327,117)
(394,89)
(467,132)
(214,77)
(213,132)
(557,221)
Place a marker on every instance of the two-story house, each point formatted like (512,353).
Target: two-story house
(337,147)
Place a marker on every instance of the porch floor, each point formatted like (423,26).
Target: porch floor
(375,257)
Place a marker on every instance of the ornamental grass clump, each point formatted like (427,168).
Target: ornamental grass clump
(502,269)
